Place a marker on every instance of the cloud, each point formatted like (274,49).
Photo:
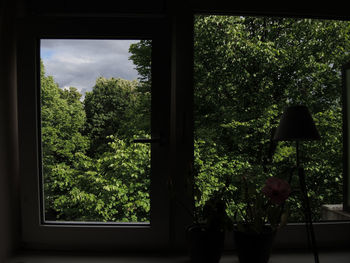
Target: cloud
(78,63)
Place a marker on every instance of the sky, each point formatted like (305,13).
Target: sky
(78,63)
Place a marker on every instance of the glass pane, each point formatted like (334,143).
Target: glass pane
(247,70)
(94,103)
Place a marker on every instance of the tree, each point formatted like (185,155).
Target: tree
(62,121)
(112,185)
(111,109)
(247,70)
(141,56)
(112,188)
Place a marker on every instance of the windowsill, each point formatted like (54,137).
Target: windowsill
(334,212)
(325,257)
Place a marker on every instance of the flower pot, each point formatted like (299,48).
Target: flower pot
(205,245)
(254,247)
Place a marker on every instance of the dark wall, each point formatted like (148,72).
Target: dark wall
(101,7)
(10,9)
(9,206)
(156,7)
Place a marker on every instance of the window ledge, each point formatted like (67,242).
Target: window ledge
(334,212)
(325,257)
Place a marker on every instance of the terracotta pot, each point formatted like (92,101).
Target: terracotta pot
(205,245)
(254,247)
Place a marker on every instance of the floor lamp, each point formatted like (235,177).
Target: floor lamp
(297,125)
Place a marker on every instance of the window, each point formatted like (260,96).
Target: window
(247,70)
(92,170)
(68,130)
(267,64)
(171,130)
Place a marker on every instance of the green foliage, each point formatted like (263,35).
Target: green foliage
(110,110)
(246,71)
(141,56)
(81,183)
(62,120)
(114,187)
(141,53)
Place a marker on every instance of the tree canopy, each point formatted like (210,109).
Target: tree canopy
(247,70)
(91,170)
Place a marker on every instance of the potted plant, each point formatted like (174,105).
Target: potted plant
(256,222)
(207,233)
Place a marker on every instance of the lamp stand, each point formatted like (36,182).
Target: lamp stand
(307,210)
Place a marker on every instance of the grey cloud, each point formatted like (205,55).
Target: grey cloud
(78,63)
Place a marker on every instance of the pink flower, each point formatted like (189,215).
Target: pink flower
(277,190)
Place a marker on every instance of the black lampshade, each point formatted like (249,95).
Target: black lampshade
(296,125)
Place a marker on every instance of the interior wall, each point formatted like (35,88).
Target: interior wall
(9,229)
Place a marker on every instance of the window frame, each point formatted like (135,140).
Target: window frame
(346,137)
(104,236)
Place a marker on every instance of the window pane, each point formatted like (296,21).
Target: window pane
(93,105)
(247,70)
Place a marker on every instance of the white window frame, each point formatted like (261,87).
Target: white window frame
(72,236)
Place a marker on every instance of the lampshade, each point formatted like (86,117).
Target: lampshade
(296,125)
